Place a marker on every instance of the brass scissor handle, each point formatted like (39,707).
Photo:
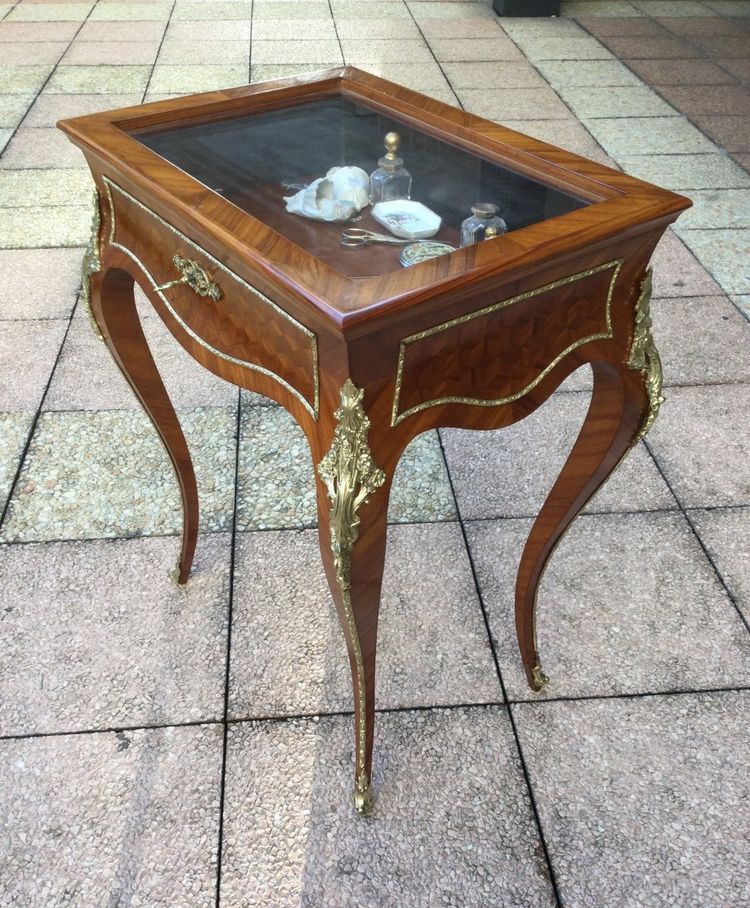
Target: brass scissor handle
(195,276)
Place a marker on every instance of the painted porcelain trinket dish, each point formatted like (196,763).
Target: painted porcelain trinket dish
(407,219)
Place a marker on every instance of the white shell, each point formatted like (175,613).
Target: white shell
(407,219)
(341,193)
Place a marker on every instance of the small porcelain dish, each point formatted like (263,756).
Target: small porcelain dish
(423,250)
(407,219)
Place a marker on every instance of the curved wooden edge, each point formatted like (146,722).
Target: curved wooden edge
(619,405)
(114,309)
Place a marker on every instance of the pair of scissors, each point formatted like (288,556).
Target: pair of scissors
(356,236)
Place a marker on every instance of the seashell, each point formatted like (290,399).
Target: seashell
(337,196)
(350,183)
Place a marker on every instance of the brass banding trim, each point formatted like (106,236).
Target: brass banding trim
(397,417)
(313,408)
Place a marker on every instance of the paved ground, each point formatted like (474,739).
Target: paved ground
(145,762)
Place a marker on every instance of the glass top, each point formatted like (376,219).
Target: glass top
(247,159)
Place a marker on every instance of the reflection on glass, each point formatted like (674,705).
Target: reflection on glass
(252,159)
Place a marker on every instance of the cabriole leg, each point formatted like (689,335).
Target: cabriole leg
(114,310)
(353,499)
(618,412)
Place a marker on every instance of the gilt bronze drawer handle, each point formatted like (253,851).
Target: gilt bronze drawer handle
(195,277)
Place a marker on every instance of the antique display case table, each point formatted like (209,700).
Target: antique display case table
(365,353)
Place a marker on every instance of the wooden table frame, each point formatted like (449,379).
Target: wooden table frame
(476,340)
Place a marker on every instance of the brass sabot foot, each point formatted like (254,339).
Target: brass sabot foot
(363,797)
(176,575)
(539,678)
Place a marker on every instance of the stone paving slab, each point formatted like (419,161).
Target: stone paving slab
(702,445)
(725,253)
(724,532)
(291,837)
(677,273)
(106,474)
(86,378)
(51,293)
(276,485)
(701,340)
(40,228)
(687,172)
(109,639)
(629,604)
(640,799)
(14,432)
(28,350)
(508,472)
(41,149)
(95,820)
(288,651)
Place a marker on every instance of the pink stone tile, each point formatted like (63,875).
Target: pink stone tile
(678,273)
(180,50)
(28,350)
(654,48)
(679,72)
(87,379)
(702,340)
(34,147)
(126,52)
(704,100)
(731,132)
(87,595)
(701,25)
(49,108)
(39,283)
(37,31)
(31,53)
(121,31)
(615,25)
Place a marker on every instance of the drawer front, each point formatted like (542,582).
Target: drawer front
(508,347)
(218,309)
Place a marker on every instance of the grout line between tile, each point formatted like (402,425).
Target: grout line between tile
(38,93)
(390,710)
(498,670)
(158,51)
(34,421)
(685,513)
(230,609)
(432,52)
(635,695)
(336,31)
(109,729)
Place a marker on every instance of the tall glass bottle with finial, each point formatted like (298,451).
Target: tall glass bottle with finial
(391,180)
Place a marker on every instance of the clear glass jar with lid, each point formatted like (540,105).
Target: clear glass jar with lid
(391,180)
(484,224)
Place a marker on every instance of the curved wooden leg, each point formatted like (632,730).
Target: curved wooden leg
(353,506)
(616,415)
(113,307)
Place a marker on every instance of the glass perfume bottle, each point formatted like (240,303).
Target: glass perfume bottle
(484,224)
(391,180)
